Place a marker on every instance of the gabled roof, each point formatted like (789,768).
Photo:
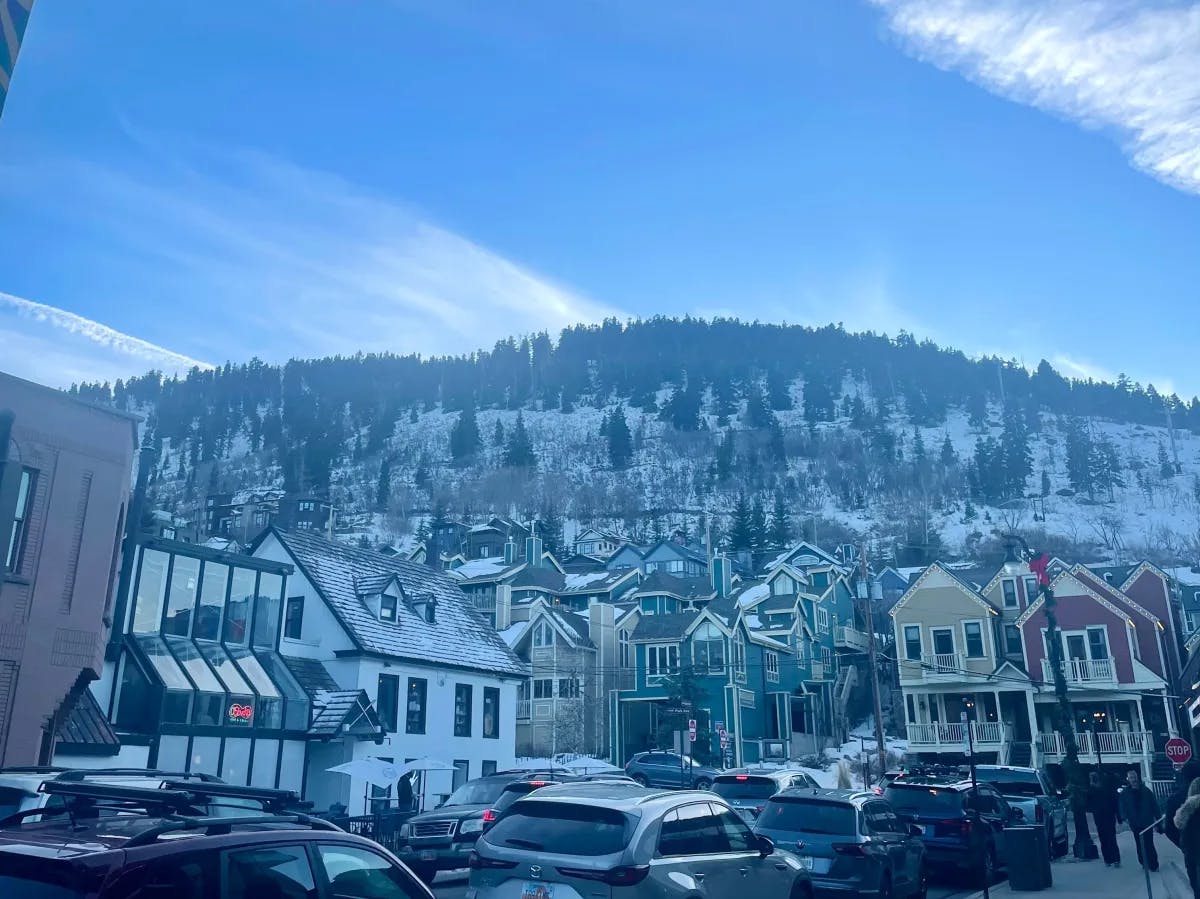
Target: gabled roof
(85,728)
(597,581)
(662,628)
(801,549)
(546,578)
(956,581)
(685,551)
(752,594)
(376,583)
(683,587)
(1097,583)
(344,713)
(724,608)
(458,637)
(1086,585)
(493,568)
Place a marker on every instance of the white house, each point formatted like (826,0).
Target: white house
(443,683)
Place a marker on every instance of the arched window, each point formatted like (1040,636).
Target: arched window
(708,649)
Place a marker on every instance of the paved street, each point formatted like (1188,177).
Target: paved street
(453,885)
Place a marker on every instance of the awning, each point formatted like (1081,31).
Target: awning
(83,729)
(344,713)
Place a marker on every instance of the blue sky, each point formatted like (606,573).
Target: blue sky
(287,178)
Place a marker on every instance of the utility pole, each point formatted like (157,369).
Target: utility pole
(870,616)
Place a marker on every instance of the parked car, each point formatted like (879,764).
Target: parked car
(670,769)
(170,853)
(1031,790)
(601,839)
(962,827)
(441,839)
(852,842)
(748,789)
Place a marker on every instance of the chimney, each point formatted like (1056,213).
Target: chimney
(503,606)
(510,551)
(533,551)
(722,575)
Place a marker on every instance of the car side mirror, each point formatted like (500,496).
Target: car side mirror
(916,830)
(766,846)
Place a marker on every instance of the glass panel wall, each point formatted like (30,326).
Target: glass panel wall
(152,582)
(269,713)
(210,696)
(215,584)
(177,703)
(181,596)
(266,611)
(237,612)
(240,711)
(295,715)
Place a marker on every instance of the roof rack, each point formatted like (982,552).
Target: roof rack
(213,826)
(271,799)
(75,774)
(93,793)
(32,769)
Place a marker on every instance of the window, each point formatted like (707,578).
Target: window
(418,692)
(943,640)
(360,873)
(708,649)
(1012,640)
(306,506)
(1009,587)
(278,871)
(739,658)
(181,596)
(568,688)
(691,830)
(20,528)
(820,580)
(910,706)
(772,663)
(562,828)
(623,644)
(823,621)
(293,618)
(912,642)
(783,585)
(237,612)
(214,584)
(1031,588)
(462,771)
(387,701)
(543,634)
(491,714)
(462,710)
(151,587)
(387,608)
(485,551)
(488,769)
(973,637)
(1192,620)
(543,688)
(735,835)
(1097,642)
(661,661)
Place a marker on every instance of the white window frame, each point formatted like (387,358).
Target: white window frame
(549,693)
(1016,596)
(822,621)
(1030,580)
(1020,639)
(920,642)
(543,634)
(982,639)
(771,661)
(709,633)
(1191,619)
(933,632)
(624,654)
(1088,637)
(389,607)
(783,585)
(655,673)
(739,658)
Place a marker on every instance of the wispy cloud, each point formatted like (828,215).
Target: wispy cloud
(1082,369)
(1133,67)
(243,253)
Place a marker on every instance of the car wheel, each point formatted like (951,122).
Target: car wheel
(424,873)
(802,890)
(703,783)
(1061,846)
(640,780)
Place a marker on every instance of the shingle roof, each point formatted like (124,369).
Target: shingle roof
(493,567)
(661,582)
(373,583)
(458,636)
(725,608)
(663,627)
(549,578)
(86,725)
(581,626)
(593,581)
(332,709)
(310,674)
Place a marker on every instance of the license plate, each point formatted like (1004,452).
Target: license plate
(429,856)
(806,862)
(537,891)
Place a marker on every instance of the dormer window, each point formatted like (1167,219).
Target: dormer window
(426,608)
(387,608)
(543,634)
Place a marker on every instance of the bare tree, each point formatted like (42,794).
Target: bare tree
(1109,530)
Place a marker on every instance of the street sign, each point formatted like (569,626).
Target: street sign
(719,727)
(692,730)
(966,733)
(1178,751)
(724,740)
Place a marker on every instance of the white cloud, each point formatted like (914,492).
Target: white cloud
(248,254)
(1082,369)
(56,347)
(1133,67)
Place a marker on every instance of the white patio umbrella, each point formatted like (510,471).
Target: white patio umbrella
(425,764)
(378,772)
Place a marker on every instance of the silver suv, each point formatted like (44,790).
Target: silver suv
(627,842)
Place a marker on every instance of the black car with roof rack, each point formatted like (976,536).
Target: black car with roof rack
(114,842)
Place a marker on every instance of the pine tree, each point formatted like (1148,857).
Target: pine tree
(977,408)
(412,416)
(780,533)
(1079,458)
(779,394)
(1016,456)
(1165,468)
(725,457)
(949,458)
(383,490)
(1045,483)
(775,442)
(620,441)
(498,434)
(758,524)
(758,414)
(683,408)
(550,529)
(741,526)
(519,452)
(464,436)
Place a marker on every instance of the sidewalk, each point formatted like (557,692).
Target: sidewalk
(1074,879)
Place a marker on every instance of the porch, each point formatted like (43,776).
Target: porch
(1095,748)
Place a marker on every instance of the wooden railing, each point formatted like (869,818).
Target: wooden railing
(524,709)
(941,665)
(844,635)
(1122,743)
(1082,671)
(985,734)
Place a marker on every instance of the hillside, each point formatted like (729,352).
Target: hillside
(760,432)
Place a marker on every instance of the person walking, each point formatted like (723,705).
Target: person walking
(1140,808)
(1105,807)
(1186,821)
(1183,782)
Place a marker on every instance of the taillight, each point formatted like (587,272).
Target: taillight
(878,791)
(758,809)
(1039,814)
(624,876)
(740,777)
(477,862)
(490,816)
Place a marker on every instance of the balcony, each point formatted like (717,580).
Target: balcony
(1082,671)
(986,735)
(846,637)
(942,666)
(1127,746)
(818,669)
(484,603)
(524,709)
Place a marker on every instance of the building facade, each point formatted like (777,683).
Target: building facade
(65,471)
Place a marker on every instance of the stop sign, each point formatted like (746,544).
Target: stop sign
(1178,751)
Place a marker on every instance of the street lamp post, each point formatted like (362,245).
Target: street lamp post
(1077,786)
(1097,721)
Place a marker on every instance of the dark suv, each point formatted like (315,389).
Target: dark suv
(441,839)
(962,826)
(670,769)
(109,842)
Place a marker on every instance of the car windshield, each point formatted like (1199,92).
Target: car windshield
(912,799)
(809,816)
(35,877)
(1013,783)
(743,786)
(477,792)
(12,800)
(560,828)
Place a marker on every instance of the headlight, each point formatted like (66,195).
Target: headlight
(471,825)
(405,831)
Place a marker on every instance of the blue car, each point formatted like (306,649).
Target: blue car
(670,770)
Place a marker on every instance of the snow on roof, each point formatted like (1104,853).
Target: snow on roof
(479,568)
(753,622)
(574,582)
(753,594)
(1185,576)
(513,633)
(479,528)
(457,637)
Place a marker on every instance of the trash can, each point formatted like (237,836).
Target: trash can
(1027,858)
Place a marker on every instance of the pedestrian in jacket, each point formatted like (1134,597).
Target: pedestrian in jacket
(1183,782)
(1105,807)
(1187,824)
(1140,808)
